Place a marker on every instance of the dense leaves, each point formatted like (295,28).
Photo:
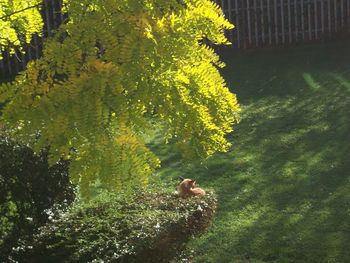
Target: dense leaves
(110,73)
(19,20)
(143,227)
(27,188)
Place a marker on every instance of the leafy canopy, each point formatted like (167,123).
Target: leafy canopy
(19,20)
(110,73)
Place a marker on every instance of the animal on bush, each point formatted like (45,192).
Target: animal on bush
(187,188)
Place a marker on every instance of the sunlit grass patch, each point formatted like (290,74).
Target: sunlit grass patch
(284,188)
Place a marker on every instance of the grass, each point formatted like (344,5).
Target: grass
(284,188)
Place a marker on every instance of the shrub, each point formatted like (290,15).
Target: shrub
(27,188)
(144,226)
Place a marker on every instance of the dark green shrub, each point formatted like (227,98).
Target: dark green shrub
(145,226)
(28,187)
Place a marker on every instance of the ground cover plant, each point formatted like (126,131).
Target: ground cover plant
(28,187)
(284,189)
(143,226)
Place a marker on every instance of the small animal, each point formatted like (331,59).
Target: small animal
(187,188)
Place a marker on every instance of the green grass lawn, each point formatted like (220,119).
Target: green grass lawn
(284,189)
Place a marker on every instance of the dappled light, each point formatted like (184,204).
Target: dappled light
(343,82)
(310,81)
(284,187)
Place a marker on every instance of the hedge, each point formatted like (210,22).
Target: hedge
(28,187)
(144,226)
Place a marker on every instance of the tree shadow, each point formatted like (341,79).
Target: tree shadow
(284,188)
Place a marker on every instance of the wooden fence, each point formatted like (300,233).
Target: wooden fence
(279,22)
(52,16)
(258,23)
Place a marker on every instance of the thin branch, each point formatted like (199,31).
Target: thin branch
(19,11)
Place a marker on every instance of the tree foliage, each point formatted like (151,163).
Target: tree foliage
(111,72)
(19,20)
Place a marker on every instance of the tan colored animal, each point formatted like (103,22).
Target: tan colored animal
(187,188)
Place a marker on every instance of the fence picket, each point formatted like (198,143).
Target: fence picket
(322,17)
(256,24)
(23,60)
(302,19)
(229,10)
(282,21)
(15,62)
(237,29)
(9,66)
(296,19)
(329,18)
(335,16)
(348,13)
(316,20)
(249,24)
(54,14)
(309,19)
(262,22)
(289,23)
(47,17)
(341,13)
(269,21)
(2,67)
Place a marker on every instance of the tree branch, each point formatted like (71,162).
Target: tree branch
(19,11)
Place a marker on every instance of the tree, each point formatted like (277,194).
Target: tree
(19,20)
(110,73)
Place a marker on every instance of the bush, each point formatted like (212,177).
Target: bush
(28,187)
(145,226)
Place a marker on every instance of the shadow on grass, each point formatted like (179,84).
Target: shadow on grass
(284,189)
